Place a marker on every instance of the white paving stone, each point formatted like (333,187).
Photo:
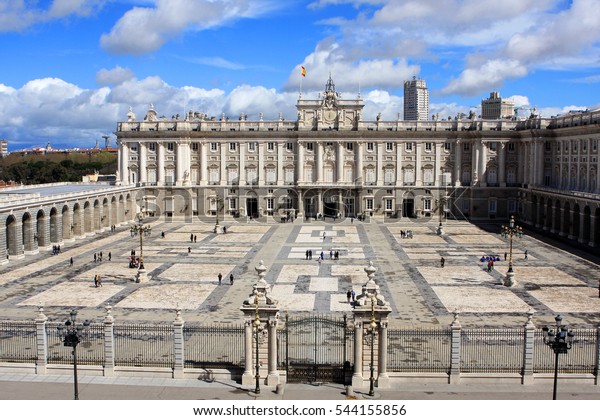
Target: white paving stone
(477,239)
(74,293)
(339,303)
(569,299)
(293,301)
(237,238)
(479,299)
(206,273)
(467,275)
(546,276)
(108,270)
(290,272)
(168,296)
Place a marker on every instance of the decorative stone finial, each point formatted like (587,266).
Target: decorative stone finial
(41,316)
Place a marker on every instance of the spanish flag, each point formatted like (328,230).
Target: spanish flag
(303,71)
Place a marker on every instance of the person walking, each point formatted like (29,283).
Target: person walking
(322,256)
(71,262)
(95,257)
(99,280)
(100,255)
(231,278)
(525,254)
(220,276)
(442,262)
(195,237)
(349,295)
(109,256)
(189,249)
(353,295)
(307,254)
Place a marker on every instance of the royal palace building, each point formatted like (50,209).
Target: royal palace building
(330,162)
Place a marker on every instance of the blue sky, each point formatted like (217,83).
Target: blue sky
(72,68)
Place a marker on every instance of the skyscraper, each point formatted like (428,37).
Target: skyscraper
(416,100)
(495,107)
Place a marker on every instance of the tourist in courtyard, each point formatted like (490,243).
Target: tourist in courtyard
(71,262)
(191,237)
(442,262)
(109,256)
(95,257)
(220,276)
(349,295)
(231,278)
(525,254)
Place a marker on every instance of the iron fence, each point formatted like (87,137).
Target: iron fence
(213,346)
(144,345)
(492,351)
(582,358)
(90,350)
(17,341)
(412,350)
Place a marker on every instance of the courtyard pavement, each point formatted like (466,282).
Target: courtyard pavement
(184,266)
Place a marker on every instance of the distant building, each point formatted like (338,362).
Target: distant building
(495,108)
(416,100)
(3,148)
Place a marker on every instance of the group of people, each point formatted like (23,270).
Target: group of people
(220,277)
(333,255)
(351,296)
(98,256)
(97,280)
(406,234)
(193,238)
(55,249)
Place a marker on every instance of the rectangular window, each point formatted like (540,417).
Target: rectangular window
(370,146)
(270,146)
(511,147)
(214,147)
(195,147)
(389,204)
(232,147)
(349,146)
(251,147)
(270,202)
(170,146)
(447,146)
(427,204)
(466,147)
(134,147)
(289,146)
(232,204)
(428,146)
(408,146)
(512,206)
(549,146)
(389,147)
(310,146)
(369,204)
(493,146)
(152,147)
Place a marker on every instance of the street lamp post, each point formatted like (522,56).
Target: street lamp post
(560,341)
(372,331)
(218,202)
(441,203)
(257,331)
(141,230)
(72,335)
(509,232)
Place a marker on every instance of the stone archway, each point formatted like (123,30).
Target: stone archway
(67,223)
(14,237)
(28,234)
(77,225)
(40,236)
(88,218)
(574,234)
(587,219)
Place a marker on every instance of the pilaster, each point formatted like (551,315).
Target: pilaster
(41,342)
(109,343)
(179,345)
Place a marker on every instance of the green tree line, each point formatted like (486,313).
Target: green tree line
(42,169)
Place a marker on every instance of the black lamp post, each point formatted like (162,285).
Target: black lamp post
(72,335)
(257,329)
(560,341)
(141,230)
(509,232)
(372,331)
(218,205)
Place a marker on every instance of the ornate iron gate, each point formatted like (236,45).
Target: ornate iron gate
(318,348)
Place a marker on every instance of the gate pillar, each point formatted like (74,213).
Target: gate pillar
(370,321)
(261,315)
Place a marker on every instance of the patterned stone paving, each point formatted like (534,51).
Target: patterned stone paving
(419,290)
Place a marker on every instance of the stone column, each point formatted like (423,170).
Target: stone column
(528,342)
(280,146)
(142,163)
(109,343)
(300,163)
(242,176)
(340,162)
(260,310)
(41,342)
(15,239)
(399,180)
(379,164)
(418,164)
(203,164)
(357,378)
(160,176)
(437,167)
(370,312)
(475,152)
(457,163)
(179,163)
(593,238)
(125,163)
(359,164)
(223,165)
(179,344)
(261,163)
(581,228)
(483,163)
(319,162)
(502,163)
(455,329)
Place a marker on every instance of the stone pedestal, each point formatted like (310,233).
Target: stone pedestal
(142,276)
(510,279)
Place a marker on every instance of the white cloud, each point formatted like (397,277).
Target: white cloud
(145,29)
(114,76)
(17,15)
(489,75)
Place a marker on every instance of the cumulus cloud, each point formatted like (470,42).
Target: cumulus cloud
(114,76)
(145,29)
(17,15)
